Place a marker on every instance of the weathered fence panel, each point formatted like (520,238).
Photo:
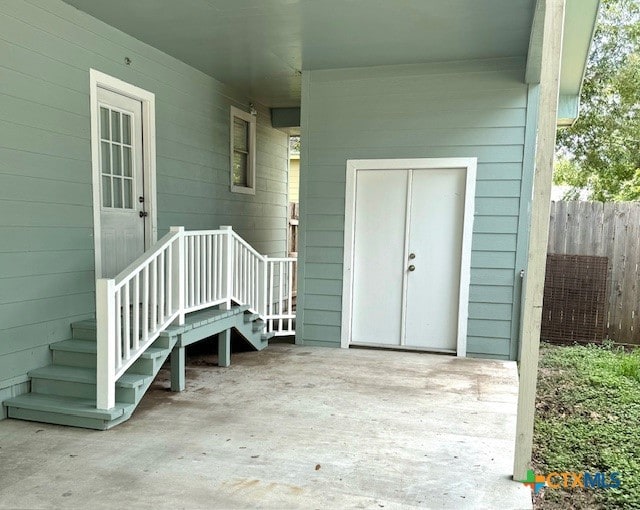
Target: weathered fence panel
(609,230)
(294,219)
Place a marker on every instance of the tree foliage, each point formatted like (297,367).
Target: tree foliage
(601,151)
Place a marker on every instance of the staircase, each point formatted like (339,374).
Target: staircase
(64,393)
(187,287)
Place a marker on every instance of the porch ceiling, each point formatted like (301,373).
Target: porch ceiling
(260,46)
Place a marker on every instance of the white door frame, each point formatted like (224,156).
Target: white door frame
(467,165)
(104,81)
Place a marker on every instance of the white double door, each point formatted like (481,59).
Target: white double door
(407,258)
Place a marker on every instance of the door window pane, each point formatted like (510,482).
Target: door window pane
(126,128)
(126,161)
(105,154)
(128,193)
(116,160)
(117,192)
(106,191)
(115,126)
(104,123)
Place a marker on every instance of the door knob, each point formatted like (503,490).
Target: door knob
(412,267)
(143,214)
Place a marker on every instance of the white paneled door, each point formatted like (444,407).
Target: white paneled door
(122,201)
(407,257)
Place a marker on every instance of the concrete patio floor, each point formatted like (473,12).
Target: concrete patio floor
(288,427)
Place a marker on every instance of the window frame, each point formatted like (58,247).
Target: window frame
(250,189)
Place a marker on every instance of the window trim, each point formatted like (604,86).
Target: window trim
(251,156)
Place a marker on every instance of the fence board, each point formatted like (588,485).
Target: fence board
(609,230)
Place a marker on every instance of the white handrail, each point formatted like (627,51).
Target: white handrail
(182,273)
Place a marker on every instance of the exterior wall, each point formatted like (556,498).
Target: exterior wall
(461,109)
(46,229)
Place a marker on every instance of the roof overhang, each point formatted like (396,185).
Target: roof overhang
(260,47)
(579,27)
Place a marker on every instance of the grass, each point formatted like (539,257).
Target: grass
(588,419)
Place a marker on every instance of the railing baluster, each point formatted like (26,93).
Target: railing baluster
(169,285)
(118,329)
(196,264)
(160,267)
(145,304)
(270,303)
(209,269)
(203,270)
(280,294)
(191,273)
(126,327)
(290,288)
(136,312)
(154,295)
(218,265)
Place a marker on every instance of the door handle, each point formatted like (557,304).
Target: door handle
(412,267)
(412,256)
(143,214)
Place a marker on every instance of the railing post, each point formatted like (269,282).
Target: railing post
(178,274)
(228,263)
(106,344)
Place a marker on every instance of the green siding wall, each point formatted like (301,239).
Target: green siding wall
(46,229)
(460,109)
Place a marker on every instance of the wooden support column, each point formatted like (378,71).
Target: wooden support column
(178,368)
(554,12)
(224,348)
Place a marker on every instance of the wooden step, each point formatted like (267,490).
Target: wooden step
(251,317)
(80,382)
(82,353)
(84,408)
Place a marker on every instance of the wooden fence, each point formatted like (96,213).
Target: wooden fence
(294,213)
(607,230)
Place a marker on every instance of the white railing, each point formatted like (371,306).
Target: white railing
(280,313)
(182,273)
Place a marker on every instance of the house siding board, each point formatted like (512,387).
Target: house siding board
(466,109)
(46,221)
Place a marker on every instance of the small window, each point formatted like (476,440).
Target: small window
(243,150)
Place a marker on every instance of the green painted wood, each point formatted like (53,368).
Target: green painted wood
(493,260)
(487,293)
(492,277)
(46,222)
(495,224)
(463,109)
(490,328)
(322,317)
(488,347)
(224,348)
(498,188)
(178,368)
(20,289)
(56,418)
(494,242)
(12,314)
(84,408)
(498,311)
(13,390)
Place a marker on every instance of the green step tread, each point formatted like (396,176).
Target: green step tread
(202,318)
(67,405)
(89,347)
(85,375)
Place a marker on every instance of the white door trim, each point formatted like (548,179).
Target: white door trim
(468,165)
(101,80)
